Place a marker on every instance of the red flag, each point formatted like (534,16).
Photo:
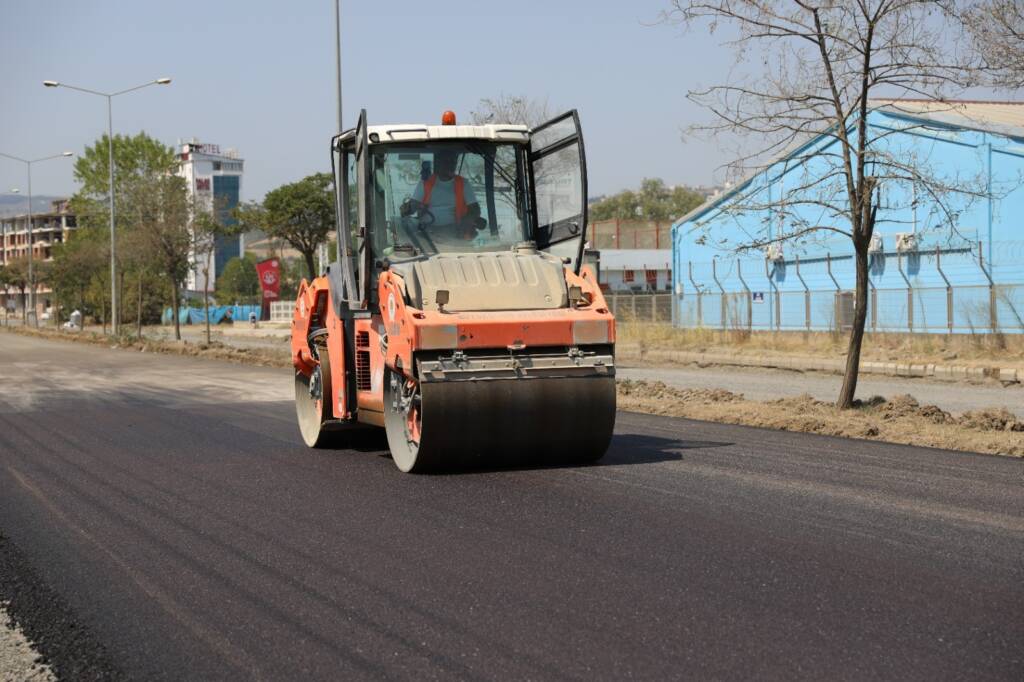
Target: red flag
(269,272)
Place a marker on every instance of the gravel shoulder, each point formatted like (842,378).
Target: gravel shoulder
(18,660)
(41,638)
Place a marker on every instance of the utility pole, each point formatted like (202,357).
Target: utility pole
(322,251)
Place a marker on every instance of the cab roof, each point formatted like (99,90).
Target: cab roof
(417,132)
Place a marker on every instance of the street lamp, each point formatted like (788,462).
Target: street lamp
(110,151)
(31,276)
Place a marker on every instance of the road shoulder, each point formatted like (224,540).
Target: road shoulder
(38,618)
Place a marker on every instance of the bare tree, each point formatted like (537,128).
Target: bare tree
(161,209)
(823,60)
(516,109)
(210,222)
(997,32)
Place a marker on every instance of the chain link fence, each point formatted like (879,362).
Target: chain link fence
(953,309)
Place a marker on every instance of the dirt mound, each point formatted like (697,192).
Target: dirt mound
(991,420)
(900,419)
(659,390)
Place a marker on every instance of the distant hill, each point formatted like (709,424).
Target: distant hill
(16,204)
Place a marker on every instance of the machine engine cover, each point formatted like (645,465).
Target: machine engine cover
(487,282)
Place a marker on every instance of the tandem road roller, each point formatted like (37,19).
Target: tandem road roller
(459,315)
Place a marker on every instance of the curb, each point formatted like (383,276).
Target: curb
(1005,375)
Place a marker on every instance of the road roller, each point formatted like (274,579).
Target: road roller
(459,315)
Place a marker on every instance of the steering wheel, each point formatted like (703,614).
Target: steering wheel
(425,218)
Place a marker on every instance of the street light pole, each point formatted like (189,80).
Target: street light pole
(31,274)
(337,54)
(114,309)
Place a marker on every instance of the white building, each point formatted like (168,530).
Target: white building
(636,270)
(214,178)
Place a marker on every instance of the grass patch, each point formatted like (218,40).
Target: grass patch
(960,349)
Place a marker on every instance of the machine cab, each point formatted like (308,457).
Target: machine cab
(407,193)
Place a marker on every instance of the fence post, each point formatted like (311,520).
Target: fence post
(949,291)
(910,293)
(992,317)
(807,296)
(633,300)
(750,299)
(723,305)
(700,296)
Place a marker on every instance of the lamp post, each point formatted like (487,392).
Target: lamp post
(114,312)
(31,276)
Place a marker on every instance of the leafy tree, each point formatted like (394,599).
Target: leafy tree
(300,213)
(822,65)
(16,275)
(653,201)
(136,158)
(239,281)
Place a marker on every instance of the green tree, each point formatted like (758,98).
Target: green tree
(239,281)
(653,201)
(16,275)
(300,213)
(136,157)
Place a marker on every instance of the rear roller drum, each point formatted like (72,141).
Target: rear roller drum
(313,403)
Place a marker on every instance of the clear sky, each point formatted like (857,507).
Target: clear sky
(258,76)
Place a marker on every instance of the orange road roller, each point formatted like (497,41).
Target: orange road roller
(459,315)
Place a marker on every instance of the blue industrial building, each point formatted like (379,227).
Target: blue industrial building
(951,262)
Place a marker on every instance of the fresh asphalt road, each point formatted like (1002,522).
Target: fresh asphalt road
(171,503)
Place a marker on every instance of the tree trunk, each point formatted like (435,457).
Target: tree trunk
(309,264)
(860,316)
(174,311)
(120,296)
(206,301)
(138,318)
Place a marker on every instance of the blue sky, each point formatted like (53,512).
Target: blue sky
(258,75)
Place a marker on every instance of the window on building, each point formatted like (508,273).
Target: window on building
(628,275)
(651,276)
(216,165)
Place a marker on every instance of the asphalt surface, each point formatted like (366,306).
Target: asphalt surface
(170,505)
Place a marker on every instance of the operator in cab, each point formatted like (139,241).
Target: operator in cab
(449,198)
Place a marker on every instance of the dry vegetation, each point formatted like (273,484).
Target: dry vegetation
(900,419)
(958,349)
(264,357)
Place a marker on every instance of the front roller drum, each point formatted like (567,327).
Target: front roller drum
(498,422)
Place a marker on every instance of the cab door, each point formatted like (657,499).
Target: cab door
(558,176)
(353,242)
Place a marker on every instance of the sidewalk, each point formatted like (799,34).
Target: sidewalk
(1007,375)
